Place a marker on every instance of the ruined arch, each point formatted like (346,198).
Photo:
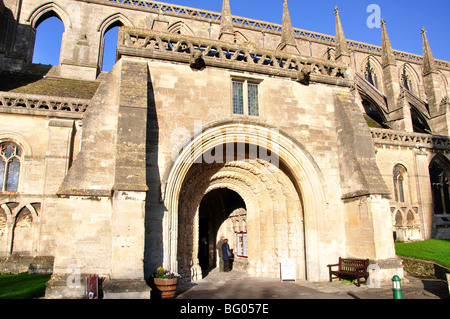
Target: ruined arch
(295,163)
(114,20)
(46,10)
(56,33)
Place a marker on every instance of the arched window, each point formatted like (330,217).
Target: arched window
(440,187)
(10,158)
(399,183)
(47,47)
(406,80)
(370,75)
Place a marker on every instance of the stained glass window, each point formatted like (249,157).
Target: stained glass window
(238,98)
(253,105)
(9,166)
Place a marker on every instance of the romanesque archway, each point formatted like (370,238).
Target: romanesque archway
(277,179)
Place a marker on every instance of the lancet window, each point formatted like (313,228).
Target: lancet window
(370,75)
(10,159)
(399,183)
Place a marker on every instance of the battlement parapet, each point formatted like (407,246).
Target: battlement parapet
(201,52)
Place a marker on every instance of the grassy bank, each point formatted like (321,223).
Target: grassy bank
(22,286)
(437,250)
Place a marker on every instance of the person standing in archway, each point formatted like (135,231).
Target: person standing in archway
(226,253)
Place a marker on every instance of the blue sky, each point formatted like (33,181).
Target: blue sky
(405,20)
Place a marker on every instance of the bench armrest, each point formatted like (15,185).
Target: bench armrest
(333,265)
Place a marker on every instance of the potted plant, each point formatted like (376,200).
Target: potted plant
(165,283)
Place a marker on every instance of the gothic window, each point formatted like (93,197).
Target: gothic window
(10,156)
(440,188)
(399,183)
(245,98)
(406,81)
(370,74)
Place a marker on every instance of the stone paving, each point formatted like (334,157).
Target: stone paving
(237,285)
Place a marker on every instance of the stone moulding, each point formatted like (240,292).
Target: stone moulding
(135,42)
(20,101)
(414,140)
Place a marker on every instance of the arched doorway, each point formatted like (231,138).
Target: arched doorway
(284,198)
(222,214)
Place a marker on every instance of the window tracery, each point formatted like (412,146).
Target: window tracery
(399,183)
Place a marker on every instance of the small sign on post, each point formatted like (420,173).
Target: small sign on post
(288,270)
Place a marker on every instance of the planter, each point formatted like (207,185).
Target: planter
(165,287)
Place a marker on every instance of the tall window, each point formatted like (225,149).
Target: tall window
(440,188)
(10,157)
(245,98)
(370,74)
(399,182)
(406,80)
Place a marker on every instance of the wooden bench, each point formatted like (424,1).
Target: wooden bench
(350,268)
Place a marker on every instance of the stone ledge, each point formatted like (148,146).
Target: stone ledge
(424,268)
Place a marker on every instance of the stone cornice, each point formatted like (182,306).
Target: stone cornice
(411,140)
(197,51)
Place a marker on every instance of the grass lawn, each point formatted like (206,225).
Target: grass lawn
(22,286)
(437,250)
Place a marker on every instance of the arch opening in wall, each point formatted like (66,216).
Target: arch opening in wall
(109,30)
(419,122)
(49,38)
(22,242)
(217,213)
(439,170)
(188,181)
(373,114)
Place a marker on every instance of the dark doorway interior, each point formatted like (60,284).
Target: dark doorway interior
(215,208)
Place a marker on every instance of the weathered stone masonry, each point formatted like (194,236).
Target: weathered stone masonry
(339,147)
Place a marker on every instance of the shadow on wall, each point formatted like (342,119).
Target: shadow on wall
(154,209)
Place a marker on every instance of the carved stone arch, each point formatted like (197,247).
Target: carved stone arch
(398,219)
(410,219)
(20,140)
(22,242)
(181,28)
(113,19)
(46,10)
(240,37)
(297,162)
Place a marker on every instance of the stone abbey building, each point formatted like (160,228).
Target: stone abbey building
(290,143)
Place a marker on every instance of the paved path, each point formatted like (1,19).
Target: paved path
(237,285)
